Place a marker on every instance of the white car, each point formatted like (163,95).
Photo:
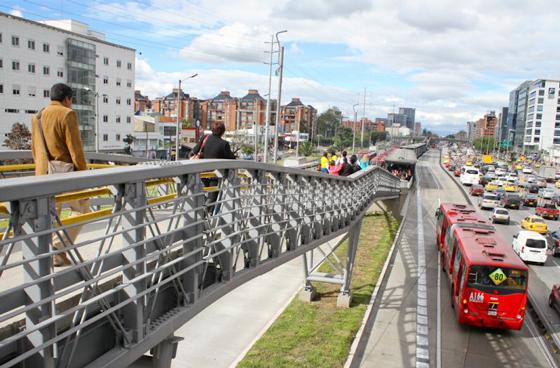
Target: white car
(527,170)
(489,200)
(500,171)
(469,175)
(530,246)
(500,215)
(546,193)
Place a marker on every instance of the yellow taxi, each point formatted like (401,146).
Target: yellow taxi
(510,187)
(534,223)
(519,167)
(468,163)
(490,187)
(537,165)
(557,184)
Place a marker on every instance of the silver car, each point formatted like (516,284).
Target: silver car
(500,215)
(489,200)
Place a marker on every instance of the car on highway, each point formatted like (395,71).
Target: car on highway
(530,200)
(500,192)
(457,173)
(531,179)
(490,187)
(541,183)
(500,171)
(534,223)
(469,175)
(557,184)
(451,167)
(554,242)
(510,200)
(547,210)
(476,190)
(546,193)
(485,180)
(510,187)
(488,201)
(530,247)
(532,188)
(554,298)
(500,215)
(527,170)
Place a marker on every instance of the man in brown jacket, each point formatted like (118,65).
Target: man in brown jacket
(62,138)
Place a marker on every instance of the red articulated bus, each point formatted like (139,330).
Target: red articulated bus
(488,280)
(449,214)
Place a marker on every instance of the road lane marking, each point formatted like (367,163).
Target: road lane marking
(422,329)
(540,342)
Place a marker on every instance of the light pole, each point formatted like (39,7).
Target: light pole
(354,129)
(278,103)
(178,128)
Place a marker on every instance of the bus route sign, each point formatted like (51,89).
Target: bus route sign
(498,276)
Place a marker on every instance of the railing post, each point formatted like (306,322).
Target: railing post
(134,195)
(37,213)
(193,216)
(345,296)
(227,219)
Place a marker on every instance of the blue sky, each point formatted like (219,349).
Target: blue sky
(452,62)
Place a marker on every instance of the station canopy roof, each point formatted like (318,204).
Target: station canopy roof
(401,157)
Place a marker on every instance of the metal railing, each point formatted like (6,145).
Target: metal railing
(168,240)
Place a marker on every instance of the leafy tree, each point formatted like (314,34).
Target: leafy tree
(19,137)
(485,144)
(450,136)
(328,121)
(306,148)
(187,123)
(343,138)
(377,136)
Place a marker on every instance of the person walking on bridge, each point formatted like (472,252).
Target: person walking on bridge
(213,146)
(57,147)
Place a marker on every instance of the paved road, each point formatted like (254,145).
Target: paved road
(415,325)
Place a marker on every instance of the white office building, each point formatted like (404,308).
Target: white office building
(36,55)
(542,123)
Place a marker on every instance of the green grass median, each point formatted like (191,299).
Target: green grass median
(319,334)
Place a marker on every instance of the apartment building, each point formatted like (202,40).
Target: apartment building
(542,120)
(486,126)
(297,116)
(142,103)
(251,110)
(36,55)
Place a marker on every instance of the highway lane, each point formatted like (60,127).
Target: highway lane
(541,278)
(463,346)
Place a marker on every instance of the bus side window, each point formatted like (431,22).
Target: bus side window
(457,259)
(448,236)
(451,253)
(463,273)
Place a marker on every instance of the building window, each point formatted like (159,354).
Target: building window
(15,41)
(541,100)
(129,66)
(31,44)
(118,119)
(1,63)
(31,68)
(536,140)
(1,88)
(31,91)
(556,140)
(558,117)
(541,92)
(0,37)
(60,73)
(105,99)
(537,132)
(46,47)
(129,101)
(11,111)
(46,70)
(539,107)
(60,50)
(106,60)
(118,82)
(46,93)
(105,119)
(15,65)
(15,90)
(539,116)
(129,83)
(538,124)
(118,100)
(128,119)
(119,63)
(105,80)
(118,137)
(105,137)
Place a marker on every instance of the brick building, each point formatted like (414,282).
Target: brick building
(486,126)
(141,103)
(296,114)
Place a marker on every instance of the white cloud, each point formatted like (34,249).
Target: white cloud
(16,12)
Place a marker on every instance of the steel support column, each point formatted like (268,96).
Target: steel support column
(345,296)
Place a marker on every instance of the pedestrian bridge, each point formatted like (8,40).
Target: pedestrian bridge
(152,254)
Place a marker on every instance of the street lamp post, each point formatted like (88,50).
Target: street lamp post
(177,143)
(354,129)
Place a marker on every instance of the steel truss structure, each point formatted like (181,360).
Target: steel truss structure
(163,242)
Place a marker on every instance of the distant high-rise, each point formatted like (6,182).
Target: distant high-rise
(518,106)
(471,128)
(502,130)
(396,119)
(410,114)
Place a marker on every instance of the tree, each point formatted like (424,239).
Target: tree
(19,137)
(306,148)
(187,123)
(343,138)
(378,136)
(485,144)
(328,121)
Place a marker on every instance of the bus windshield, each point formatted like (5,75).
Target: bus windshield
(504,280)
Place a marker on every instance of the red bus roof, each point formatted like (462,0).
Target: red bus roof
(461,213)
(485,247)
